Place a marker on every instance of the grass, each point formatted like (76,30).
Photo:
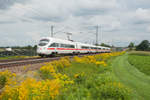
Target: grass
(89,86)
(132,77)
(142,63)
(140,53)
(91,82)
(87,69)
(1,49)
(15,57)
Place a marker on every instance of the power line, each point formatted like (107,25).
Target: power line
(62,30)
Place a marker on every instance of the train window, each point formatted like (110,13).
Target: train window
(85,47)
(44,40)
(54,45)
(72,46)
(67,46)
(62,45)
(42,44)
(92,48)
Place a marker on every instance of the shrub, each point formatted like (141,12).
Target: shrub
(106,88)
(6,77)
(46,71)
(30,89)
(3,81)
(114,91)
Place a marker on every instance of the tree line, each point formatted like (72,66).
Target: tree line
(29,47)
(143,46)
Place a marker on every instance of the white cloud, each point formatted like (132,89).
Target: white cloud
(148,29)
(96,4)
(143,14)
(28,22)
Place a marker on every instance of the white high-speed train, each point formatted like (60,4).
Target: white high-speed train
(49,46)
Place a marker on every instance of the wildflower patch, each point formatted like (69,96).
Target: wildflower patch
(87,77)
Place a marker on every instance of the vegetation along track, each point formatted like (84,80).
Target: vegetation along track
(133,78)
(4,64)
(18,59)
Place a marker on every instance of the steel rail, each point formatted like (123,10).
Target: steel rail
(12,63)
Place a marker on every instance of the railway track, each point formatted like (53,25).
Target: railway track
(11,60)
(4,64)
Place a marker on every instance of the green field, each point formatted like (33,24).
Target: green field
(132,77)
(141,62)
(142,53)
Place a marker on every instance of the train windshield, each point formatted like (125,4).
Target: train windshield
(43,42)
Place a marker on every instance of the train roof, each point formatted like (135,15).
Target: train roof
(71,42)
(84,44)
(59,40)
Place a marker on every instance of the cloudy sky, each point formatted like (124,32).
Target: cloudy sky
(23,22)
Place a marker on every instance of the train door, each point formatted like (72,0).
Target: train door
(76,48)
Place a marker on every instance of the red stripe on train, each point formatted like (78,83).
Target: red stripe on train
(50,48)
(74,49)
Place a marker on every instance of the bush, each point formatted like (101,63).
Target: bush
(6,77)
(114,91)
(3,81)
(106,88)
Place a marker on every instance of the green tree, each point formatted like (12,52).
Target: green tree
(131,45)
(35,47)
(105,45)
(144,45)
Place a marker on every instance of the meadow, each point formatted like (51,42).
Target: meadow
(130,75)
(141,61)
(142,53)
(80,78)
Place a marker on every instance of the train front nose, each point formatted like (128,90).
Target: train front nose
(41,50)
